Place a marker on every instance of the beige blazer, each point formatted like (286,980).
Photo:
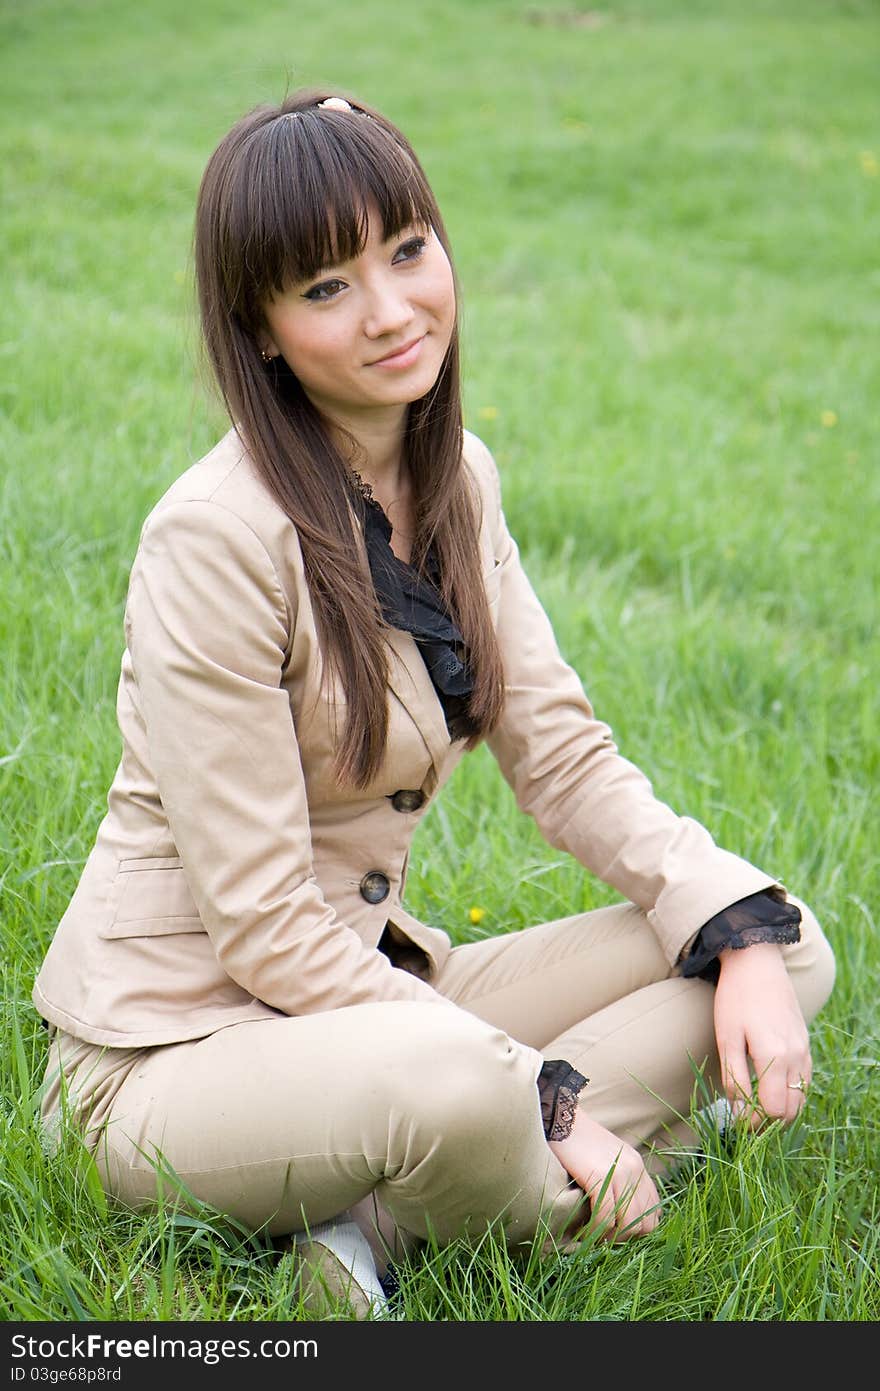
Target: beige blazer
(231,878)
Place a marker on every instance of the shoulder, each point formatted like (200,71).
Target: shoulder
(481,465)
(478,458)
(222,497)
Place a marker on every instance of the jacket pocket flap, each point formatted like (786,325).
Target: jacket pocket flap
(153,927)
(150,862)
(156,889)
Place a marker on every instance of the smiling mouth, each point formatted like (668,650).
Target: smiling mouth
(400,356)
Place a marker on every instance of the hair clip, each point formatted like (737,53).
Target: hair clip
(336,104)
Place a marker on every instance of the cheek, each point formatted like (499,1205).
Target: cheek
(310,347)
(443,293)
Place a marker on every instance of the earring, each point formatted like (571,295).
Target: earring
(267,357)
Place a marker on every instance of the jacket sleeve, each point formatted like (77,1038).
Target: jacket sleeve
(208,626)
(566,772)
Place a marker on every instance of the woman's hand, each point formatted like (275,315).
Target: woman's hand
(757,1016)
(597,1160)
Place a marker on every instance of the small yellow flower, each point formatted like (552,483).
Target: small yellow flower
(488,412)
(870,164)
(477,915)
(829,419)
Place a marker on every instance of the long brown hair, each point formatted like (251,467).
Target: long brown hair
(278,201)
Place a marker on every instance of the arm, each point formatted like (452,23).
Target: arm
(757,1015)
(566,772)
(208,627)
(758,1018)
(623,1197)
(762,917)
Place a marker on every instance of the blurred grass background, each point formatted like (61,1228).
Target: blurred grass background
(664,218)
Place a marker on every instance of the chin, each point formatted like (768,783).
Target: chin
(426,382)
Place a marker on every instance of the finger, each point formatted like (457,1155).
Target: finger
(736,1078)
(648,1200)
(653,1208)
(805,1074)
(797,1098)
(797,1088)
(637,1208)
(782,1085)
(617,1207)
(602,1206)
(642,1216)
(627,1215)
(779,1100)
(603,1221)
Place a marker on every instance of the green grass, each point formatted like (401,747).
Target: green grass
(665,224)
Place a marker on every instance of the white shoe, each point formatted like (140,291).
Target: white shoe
(337,1268)
(718,1115)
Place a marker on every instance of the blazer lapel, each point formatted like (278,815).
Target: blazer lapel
(409,680)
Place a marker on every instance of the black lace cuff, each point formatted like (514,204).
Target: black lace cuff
(762,917)
(559,1085)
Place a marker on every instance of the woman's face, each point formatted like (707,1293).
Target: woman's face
(369,335)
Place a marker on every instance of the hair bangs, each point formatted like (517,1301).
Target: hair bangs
(314,181)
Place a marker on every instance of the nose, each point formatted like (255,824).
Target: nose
(388,309)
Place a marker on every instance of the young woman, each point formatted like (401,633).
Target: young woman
(324,615)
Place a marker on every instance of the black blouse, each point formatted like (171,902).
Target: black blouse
(413,603)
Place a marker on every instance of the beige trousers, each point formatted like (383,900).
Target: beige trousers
(427,1114)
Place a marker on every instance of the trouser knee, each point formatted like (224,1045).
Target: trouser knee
(477,1084)
(811,963)
(467,1143)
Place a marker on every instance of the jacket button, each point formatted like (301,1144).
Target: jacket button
(408,799)
(375,886)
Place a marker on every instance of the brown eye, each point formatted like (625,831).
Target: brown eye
(410,250)
(328,289)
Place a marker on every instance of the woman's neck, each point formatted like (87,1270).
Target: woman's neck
(374,450)
(378,458)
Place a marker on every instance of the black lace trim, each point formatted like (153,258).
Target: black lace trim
(761,917)
(559,1086)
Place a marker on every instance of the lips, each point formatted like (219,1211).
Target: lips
(400,356)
